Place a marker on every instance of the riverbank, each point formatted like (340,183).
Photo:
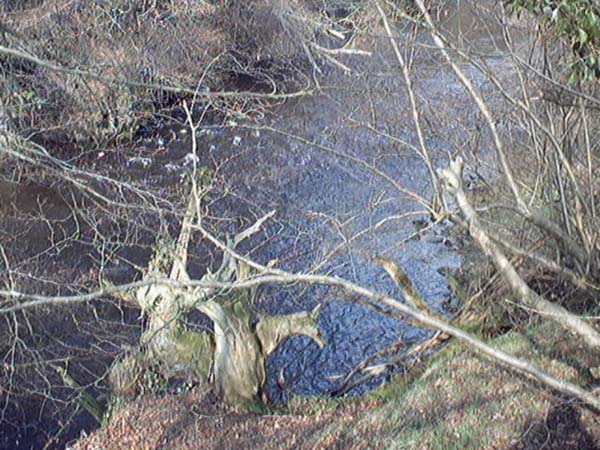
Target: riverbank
(345,175)
(457,400)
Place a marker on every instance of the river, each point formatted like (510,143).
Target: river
(341,169)
(342,172)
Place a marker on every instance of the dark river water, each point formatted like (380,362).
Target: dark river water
(342,170)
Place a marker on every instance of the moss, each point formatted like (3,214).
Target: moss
(197,348)
(458,400)
(398,386)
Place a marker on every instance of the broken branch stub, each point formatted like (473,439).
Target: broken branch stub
(273,330)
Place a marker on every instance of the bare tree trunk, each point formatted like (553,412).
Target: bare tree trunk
(453,177)
(574,248)
(238,349)
(239,363)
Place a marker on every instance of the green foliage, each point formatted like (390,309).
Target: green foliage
(576,22)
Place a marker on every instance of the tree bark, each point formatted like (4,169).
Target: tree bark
(238,350)
(453,177)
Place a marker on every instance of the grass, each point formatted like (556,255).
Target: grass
(462,401)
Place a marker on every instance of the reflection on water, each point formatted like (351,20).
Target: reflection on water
(32,218)
(343,172)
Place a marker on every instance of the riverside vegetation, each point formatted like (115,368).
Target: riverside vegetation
(186,185)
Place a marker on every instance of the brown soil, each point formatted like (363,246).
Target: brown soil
(460,401)
(198,420)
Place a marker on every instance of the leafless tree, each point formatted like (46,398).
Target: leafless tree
(543,171)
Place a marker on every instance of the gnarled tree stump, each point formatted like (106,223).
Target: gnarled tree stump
(242,339)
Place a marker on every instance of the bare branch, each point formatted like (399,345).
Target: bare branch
(453,177)
(158,87)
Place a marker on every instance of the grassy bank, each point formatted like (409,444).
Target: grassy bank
(457,400)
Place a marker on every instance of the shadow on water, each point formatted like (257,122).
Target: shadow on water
(337,181)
